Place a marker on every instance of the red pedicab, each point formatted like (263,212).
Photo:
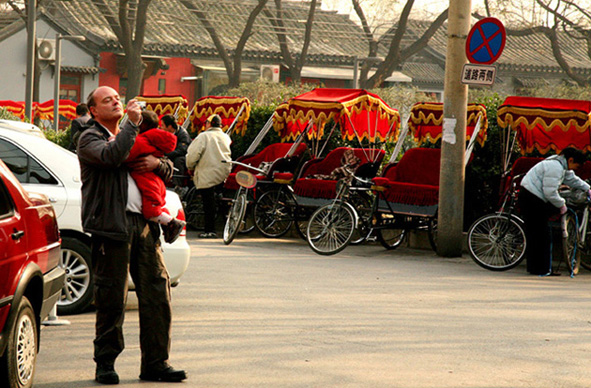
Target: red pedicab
(497,241)
(359,115)
(406,195)
(306,116)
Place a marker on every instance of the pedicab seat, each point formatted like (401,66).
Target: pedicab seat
(308,186)
(411,186)
(274,156)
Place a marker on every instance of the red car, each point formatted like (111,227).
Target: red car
(30,279)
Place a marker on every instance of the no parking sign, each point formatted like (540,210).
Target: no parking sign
(484,46)
(486,41)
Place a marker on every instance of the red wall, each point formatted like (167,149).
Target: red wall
(178,67)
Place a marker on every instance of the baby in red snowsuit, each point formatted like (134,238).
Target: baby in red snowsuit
(157,142)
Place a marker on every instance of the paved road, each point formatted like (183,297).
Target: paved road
(270,313)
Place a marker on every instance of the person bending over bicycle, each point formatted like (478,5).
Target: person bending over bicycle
(539,200)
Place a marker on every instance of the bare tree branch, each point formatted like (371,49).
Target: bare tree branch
(551,35)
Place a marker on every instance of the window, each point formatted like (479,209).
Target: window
(162,86)
(70,86)
(6,205)
(24,167)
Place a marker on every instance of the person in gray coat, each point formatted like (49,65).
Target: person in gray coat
(539,200)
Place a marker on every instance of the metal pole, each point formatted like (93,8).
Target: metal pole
(355,72)
(56,83)
(450,237)
(31,37)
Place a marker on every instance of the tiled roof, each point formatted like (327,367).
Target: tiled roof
(175,30)
(424,72)
(82,69)
(9,19)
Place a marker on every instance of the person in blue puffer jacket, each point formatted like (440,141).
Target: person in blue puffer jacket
(539,200)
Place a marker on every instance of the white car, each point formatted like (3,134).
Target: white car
(44,167)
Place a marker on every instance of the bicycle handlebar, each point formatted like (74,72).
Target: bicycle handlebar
(246,165)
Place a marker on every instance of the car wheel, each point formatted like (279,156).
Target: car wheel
(18,363)
(77,291)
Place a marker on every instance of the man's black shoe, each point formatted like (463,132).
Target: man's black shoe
(169,375)
(173,230)
(105,374)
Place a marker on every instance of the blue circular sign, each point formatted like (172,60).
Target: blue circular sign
(486,41)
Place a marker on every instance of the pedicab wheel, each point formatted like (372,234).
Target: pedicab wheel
(362,204)
(389,237)
(235,216)
(497,242)
(273,213)
(570,251)
(432,230)
(331,228)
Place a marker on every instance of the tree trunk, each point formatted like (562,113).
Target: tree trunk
(129,26)
(294,66)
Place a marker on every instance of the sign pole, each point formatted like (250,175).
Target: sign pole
(450,237)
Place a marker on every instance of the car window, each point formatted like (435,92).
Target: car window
(6,205)
(24,167)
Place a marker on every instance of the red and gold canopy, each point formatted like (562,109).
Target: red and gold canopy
(167,105)
(67,108)
(359,113)
(44,110)
(226,107)
(17,108)
(547,124)
(426,121)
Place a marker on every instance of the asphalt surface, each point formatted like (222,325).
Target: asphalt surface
(271,313)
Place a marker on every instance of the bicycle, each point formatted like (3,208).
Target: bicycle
(497,241)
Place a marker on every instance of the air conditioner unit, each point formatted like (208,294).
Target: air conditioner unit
(270,73)
(46,49)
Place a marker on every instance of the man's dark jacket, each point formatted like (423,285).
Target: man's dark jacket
(104,180)
(182,144)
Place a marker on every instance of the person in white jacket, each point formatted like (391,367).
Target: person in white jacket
(204,157)
(539,200)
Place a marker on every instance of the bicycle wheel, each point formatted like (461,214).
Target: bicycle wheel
(235,216)
(389,236)
(273,213)
(331,228)
(571,253)
(497,242)
(362,205)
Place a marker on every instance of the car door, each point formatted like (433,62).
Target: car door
(13,248)
(33,175)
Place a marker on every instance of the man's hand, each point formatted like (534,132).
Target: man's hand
(145,164)
(134,111)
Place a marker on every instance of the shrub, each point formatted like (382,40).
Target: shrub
(61,138)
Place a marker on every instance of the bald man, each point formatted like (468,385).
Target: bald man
(122,238)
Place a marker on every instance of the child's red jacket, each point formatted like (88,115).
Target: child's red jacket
(156,142)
